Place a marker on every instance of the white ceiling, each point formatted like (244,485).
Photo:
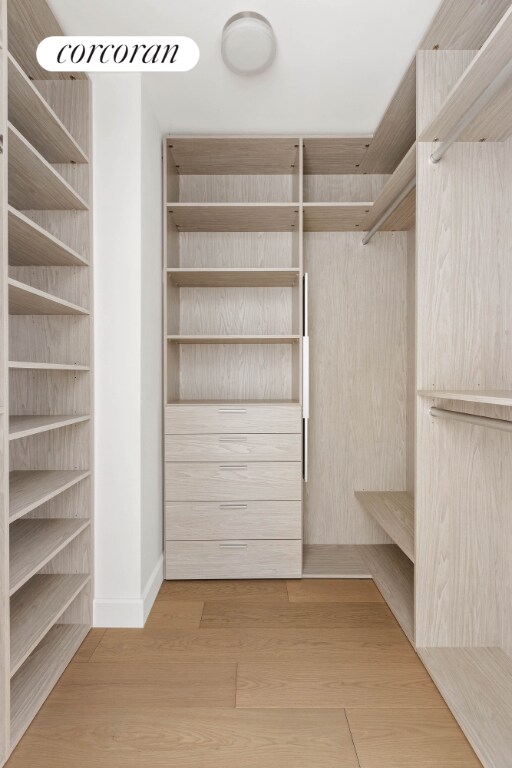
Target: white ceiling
(337,67)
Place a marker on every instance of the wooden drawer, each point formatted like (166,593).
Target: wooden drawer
(285,447)
(232,481)
(225,419)
(195,521)
(233,559)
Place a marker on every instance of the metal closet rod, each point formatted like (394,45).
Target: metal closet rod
(481,421)
(387,213)
(477,107)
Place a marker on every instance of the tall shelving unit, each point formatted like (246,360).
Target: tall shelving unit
(46,526)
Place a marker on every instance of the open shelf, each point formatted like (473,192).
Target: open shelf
(37,121)
(37,607)
(33,543)
(24,426)
(476,683)
(494,121)
(18,365)
(336,217)
(223,217)
(334,154)
(233,155)
(404,216)
(31,245)
(33,183)
(394,512)
(29,489)
(487,396)
(35,679)
(234,339)
(233,278)
(332,561)
(393,574)
(25,300)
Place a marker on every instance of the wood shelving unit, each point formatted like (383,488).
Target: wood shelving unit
(26,300)
(233,278)
(29,489)
(336,217)
(182,339)
(330,561)
(31,245)
(394,512)
(223,217)
(18,365)
(485,396)
(393,574)
(404,215)
(26,426)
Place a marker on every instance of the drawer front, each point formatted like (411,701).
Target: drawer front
(233,559)
(196,521)
(285,447)
(259,481)
(225,419)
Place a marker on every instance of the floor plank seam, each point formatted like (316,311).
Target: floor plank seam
(352,738)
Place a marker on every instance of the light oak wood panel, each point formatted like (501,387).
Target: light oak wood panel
(36,608)
(70,285)
(33,182)
(234,589)
(233,418)
(477,686)
(410,414)
(29,490)
(233,278)
(69,227)
(225,613)
(487,396)
(333,591)
(393,574)
(229,559)
(337,188)
(394,512)
(170,614)
(31,245)
(25,426)
(460,24)
(36,120)
(235,250)
(251,447)
(33,543)
(357,425)
(54,449)
(336,217)
(227,339)
(340,684)
(71,101)
(402,176)
(26,300)
(403,218)
(243,519)
(437,74)
(326,561)
(18,365)
(34,681)
(251,217)
(418,737)
(47,392)
(217,188)
(231,481)
(334,154)
(232,154)
(56,339)
(218,738)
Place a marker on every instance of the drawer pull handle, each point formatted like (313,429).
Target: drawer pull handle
(233,466)
(232,506)
(233,546)
(232,410)
(241,439)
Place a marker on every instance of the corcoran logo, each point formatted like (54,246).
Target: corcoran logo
(117,54)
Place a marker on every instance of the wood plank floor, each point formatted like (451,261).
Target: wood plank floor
(249,674)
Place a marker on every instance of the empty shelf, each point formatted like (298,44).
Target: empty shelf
(233,339)
(236,278)
(393,574)
(33,183)
(336,217)
(37,121)
(487,396)
(30,489)
(31,245)
(233,155)
(36,608)
(404,216)
(25,300)
(222,217)
(33,543)
(476,683)
(394,512)
(332,561)
(24,426)
(18,365)
(334,154)
(33,682)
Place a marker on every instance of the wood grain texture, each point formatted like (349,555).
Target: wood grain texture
(221,217)
(394,512)
(232,154)
(30,244)
(25,300)
(338,188)
(393,574)
(357,429)
(326,561)
(334,154)
(71,100)
(170,614)
(336,217)
(242,418)
(204,339)
(217,188)
(333,591)
(239,559)
(225,613)
(25,426)
(235,250)
(401,218)
(486,396)
(89,645)
(50,339)
(234,589)
(463,24)
(251,447)
(437,74)
(400,739)
(233,278)
(410,411)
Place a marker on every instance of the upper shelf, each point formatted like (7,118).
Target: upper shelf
(403,216)
(33,182)
(487,396)
(233,155)
(29,489)
(493,122)
(25,426)
(31,245)
(37,121)
(26,300)
(394,512)
(233,278)
(336,217)
(223,217)
(334,154)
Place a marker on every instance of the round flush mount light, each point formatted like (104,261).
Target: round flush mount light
(248,43)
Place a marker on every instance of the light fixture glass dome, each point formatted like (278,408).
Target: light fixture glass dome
(248,43)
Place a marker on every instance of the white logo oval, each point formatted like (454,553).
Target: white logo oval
(117,54)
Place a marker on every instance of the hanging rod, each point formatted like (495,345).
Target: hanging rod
(469,418)
(387,213)
(477,107)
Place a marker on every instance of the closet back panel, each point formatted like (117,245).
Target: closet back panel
(357,426)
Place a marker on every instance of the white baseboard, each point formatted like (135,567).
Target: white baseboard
(127,613)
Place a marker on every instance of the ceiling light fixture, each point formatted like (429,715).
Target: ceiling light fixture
(248,43)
